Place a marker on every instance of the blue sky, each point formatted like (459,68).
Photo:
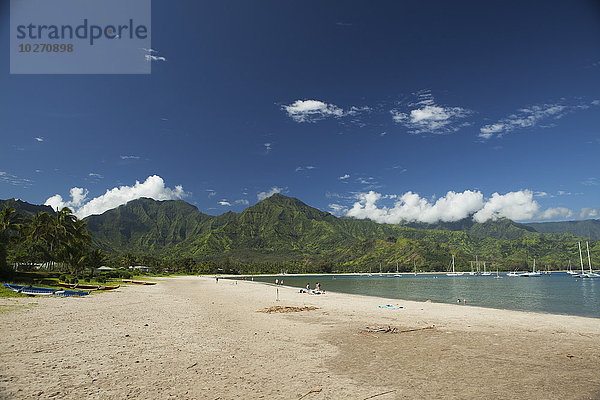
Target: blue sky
(370,110)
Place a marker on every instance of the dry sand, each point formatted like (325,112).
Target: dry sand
(192,338)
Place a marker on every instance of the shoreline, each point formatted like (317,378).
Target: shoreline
(193,338)
(490,307)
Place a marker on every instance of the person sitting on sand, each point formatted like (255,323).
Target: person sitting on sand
(308,286)
(318,286)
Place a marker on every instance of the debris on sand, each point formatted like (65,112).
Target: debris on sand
(389,329)
(287,309)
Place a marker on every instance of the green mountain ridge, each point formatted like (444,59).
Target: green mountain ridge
(588,228)
(27,210)
(284,231)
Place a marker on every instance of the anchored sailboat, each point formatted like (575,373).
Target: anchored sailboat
(454,273)
(531,274)
(590,274)
(397,274)
(485,273)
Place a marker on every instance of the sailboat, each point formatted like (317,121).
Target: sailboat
(570,269)
(590,274)
(530,274)
(485,273)
(454,273)
(472,272)
(580,275)
(415,266)
(497,275)
(397,274)
(380,274)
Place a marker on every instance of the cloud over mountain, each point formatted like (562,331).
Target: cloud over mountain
(411,207)
(153,187)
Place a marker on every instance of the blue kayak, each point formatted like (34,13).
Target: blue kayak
(39,291)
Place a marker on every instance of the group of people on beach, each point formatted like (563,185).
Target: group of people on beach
(317,289)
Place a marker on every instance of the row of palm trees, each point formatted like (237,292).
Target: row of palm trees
(60,239)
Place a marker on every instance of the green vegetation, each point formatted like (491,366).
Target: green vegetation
(277,234)
(589,228)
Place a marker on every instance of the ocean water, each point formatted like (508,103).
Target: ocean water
(556,293)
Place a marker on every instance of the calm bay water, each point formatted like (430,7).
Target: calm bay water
(557,293)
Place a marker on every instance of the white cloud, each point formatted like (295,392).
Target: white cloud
(338,209)
(94,175)
(411,207)
(242,201)
(315,110)
(589,213)
(153,187)
(555,213)
(513,205)
(14,180)
(263,195)
(268,147)
(39,139)
(591,182)
(530,117)
(130,157)
(311,110)
(149,56)
(344,177)
(224,203)
(308,168)
(425,116)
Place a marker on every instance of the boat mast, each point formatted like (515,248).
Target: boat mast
(452,263)
(580,257)
(589,259)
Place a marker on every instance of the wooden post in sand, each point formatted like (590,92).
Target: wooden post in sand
(277,299)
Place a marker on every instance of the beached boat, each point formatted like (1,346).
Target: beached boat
(39,291)
(138,282)
(78,286)
(454,273)
(109,287)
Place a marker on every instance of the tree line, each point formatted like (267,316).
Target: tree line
(60,240)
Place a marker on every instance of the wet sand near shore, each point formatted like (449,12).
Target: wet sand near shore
(193,338)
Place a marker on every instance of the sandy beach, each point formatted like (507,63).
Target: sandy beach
(193,338)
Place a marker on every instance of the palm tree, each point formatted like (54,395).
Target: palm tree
(10,221)
(95,259)
(10,226)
